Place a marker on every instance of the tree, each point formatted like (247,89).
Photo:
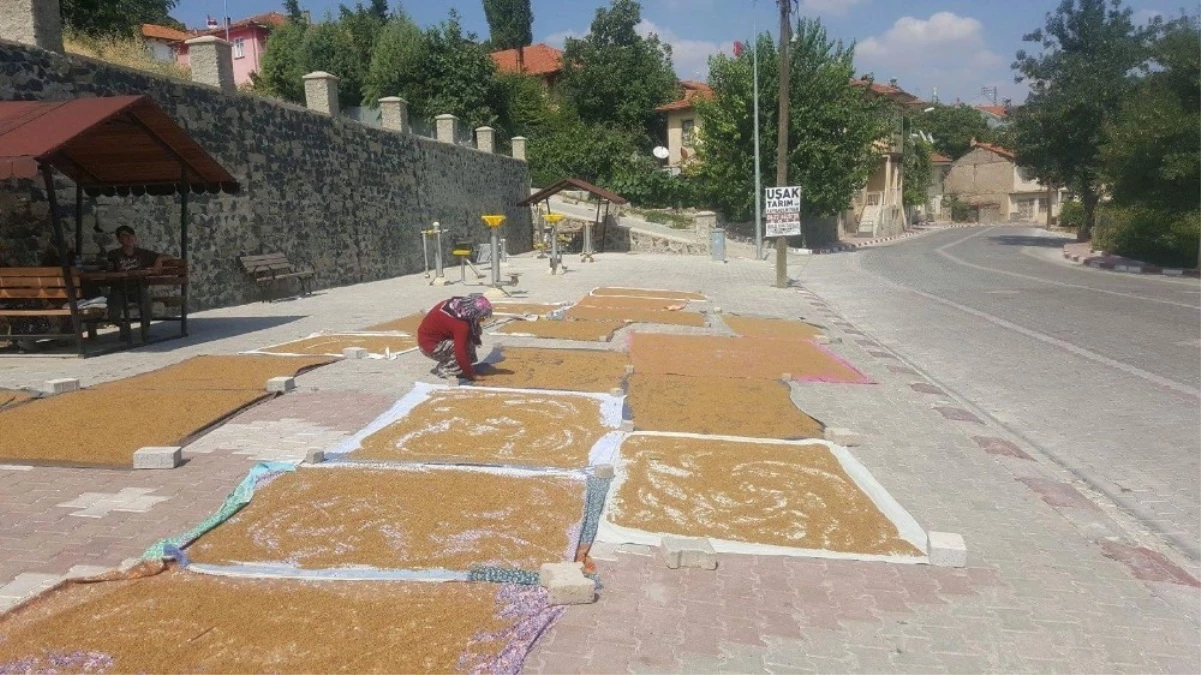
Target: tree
(833,126)
(354,38)
(282,69)
(510,23)
(115,17)
(1077,84)
(292,10)
(439,70)
(614,76)
(1152,154)
(917,170)
(397,61)
(953,128)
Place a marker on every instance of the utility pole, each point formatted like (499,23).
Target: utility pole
(782,139)
(758,172)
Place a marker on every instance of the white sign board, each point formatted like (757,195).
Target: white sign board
(782,215)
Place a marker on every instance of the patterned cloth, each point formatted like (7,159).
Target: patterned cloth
(473,309)
(444,354)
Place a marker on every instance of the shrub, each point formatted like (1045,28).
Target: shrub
(961,211)
(1151,235)
(1071,215)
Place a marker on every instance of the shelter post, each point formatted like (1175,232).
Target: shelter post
(61,242)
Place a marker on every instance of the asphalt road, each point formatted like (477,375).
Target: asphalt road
(1100,372)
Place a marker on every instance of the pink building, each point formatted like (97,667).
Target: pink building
(249,40)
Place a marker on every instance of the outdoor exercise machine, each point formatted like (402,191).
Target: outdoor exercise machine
(603,197)
(494,222)
(556,260)
(434,233)
(463,251)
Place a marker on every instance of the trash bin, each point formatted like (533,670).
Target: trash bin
(717,244)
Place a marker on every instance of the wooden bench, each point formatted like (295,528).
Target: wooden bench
(271,268)
(46,284)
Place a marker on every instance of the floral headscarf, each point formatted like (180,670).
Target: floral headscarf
(473,309)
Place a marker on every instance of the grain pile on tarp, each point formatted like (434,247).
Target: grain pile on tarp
(764,327)
(11,397)
(488,426)
(333,344)
(809,496)
(562,369)
(340,516)
(104,425)
(405,324)
(581,331)
(718,405)
(177,622)
(739,357)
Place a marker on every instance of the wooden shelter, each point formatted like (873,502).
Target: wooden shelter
(604,198)
(119,145)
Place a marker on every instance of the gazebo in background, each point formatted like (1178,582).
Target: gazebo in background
(120,145)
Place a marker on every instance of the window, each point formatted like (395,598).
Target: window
(689,128)
(1026,209)
(239,48)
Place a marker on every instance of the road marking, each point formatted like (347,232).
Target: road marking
(941,250)
(1002,292)
(1053,341)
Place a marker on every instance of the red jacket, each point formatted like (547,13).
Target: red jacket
(438,326)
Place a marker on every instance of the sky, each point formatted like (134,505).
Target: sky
(949,49)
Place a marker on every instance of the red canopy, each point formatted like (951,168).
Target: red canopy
(111,145)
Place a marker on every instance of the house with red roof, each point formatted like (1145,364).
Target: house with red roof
(161,41)
(248,38)
(683,123)
(989,179)
(541,61)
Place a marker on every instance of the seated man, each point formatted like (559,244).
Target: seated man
(128,258)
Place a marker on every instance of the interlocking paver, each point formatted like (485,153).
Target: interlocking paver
(1033,573)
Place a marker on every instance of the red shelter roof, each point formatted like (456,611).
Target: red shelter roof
(111,145)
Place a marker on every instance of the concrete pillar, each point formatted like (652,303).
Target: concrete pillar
(321,92)
(32,22)
(447,128)
(394,113)
(485,139)
(518,143)
(704,221)
(212,62)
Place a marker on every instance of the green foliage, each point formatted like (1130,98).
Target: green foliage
(642,182)
(917,172)
(1077,83)
(510,23)
(458,76)
(283,64)
(524,106)
(573,149)
(398,61)
(614,76)
(1151,153)
(675,220)
(1157,236)
(961,211)
(1071,215)
(97,18)
(833,126)
(353,40)
(953,128)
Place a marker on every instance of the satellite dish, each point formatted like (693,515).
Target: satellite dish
(660,152)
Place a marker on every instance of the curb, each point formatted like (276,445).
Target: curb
(839,248)
(1130,267)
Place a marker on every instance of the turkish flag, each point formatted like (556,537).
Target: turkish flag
(738,48)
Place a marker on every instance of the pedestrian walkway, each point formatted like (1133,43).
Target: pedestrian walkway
(1039,593)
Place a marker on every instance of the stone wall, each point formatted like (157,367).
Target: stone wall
(345,199)
(981,178)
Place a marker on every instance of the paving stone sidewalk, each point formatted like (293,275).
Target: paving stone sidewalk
(1042,590)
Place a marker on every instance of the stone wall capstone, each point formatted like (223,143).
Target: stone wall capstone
(332,194)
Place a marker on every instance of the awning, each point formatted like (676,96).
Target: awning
(573,184)
(111,145)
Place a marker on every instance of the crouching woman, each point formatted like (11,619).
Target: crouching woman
(450,333)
